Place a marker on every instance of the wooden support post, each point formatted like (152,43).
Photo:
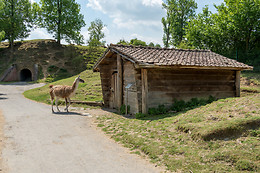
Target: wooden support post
(237,83)
(144,90)
(119,88)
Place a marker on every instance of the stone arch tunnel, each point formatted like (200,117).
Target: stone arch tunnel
(25,75)
(20,72)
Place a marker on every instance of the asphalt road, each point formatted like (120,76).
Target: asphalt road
(37,141)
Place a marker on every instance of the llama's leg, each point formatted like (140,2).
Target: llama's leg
(56,102)
(66,102)
(52,98)
(68,105)
(52,105)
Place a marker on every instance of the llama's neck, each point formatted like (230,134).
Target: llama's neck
(75,85)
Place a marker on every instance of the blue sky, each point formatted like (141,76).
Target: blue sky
(125,19)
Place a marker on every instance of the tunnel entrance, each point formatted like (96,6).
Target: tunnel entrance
(25,75)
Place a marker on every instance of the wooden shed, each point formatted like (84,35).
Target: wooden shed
(157,76)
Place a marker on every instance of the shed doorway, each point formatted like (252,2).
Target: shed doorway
(25,75)
(113,103)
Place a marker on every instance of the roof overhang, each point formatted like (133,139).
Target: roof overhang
(147,66)
(112,50)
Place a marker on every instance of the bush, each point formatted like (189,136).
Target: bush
(123,109)
(181,105)
(211,99)
(140,115)
(52,69)
(178,105)
(162,109)
(153,111)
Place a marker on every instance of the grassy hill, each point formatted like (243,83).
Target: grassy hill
(55,61)
(88,91)
(219,137)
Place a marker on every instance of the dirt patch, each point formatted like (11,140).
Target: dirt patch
(1,139)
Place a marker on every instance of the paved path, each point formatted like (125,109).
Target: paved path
(37,141)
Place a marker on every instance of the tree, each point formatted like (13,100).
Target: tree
(166,26)
(16,19)
(158,45)
(96,33)
(199,31)
(123,42)
(233,31)
(62,18)
(178,13)
(2,33)
(151,44)
(137,42)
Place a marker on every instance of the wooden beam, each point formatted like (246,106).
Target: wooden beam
(144,90)
(237,83)
(119,88)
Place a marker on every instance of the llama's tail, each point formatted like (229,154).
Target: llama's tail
(50,86)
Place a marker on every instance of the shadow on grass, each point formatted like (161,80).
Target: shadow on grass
(162,116)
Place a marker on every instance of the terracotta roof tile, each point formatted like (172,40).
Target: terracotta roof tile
(171,57)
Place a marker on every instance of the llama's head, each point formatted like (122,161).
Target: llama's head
(80,80)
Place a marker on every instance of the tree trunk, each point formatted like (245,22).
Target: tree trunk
(12,27)
(59,21)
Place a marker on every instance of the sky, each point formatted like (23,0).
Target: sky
(124,19)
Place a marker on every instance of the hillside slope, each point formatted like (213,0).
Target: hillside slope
(88,91)
(55,61)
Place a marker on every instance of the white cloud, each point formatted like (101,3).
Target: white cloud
(130,14)
(94,4)
(39,33)
(152,2)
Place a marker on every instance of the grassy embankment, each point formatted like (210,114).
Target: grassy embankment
(222,136)
(88,91)
(54,61)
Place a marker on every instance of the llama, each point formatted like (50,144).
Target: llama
(64,91)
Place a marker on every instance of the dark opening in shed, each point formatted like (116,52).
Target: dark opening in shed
(25,75)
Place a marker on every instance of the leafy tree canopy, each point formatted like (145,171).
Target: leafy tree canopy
(123,42)
(2,33)
(233,31)
(96,33)
(16,19)
(137,42)
(62,18)
(179,12)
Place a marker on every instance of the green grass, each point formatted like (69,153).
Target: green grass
(215,137)
(88,91)
(219,137)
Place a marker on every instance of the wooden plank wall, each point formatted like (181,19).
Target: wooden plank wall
(129,75)
(107,68)
(165,85)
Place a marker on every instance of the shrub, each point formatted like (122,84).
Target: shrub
(140,115)
(178,105)
(193,102)
(123,109)
(153,111)
(211,99)
(162,109)
(52,69)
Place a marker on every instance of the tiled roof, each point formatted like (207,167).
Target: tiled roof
(174,57)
